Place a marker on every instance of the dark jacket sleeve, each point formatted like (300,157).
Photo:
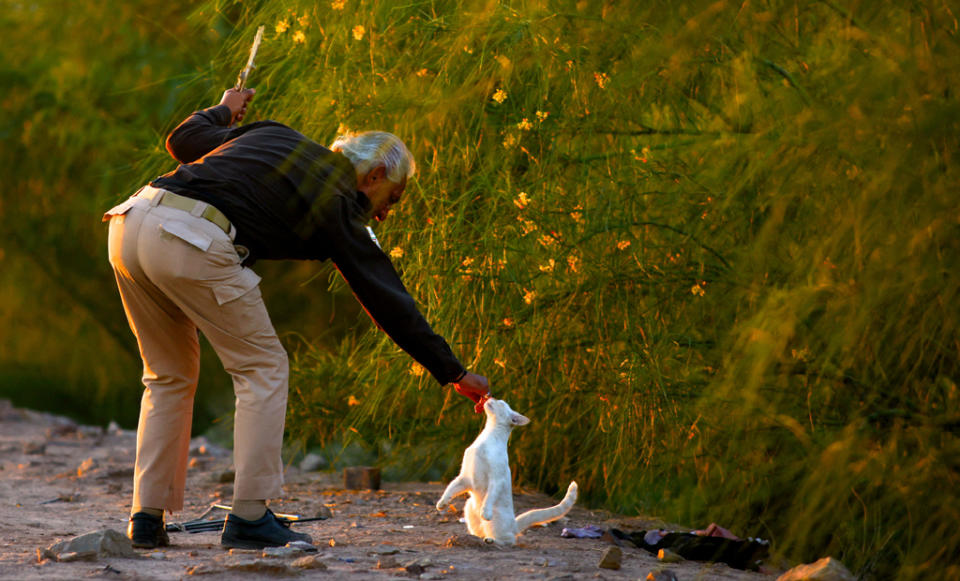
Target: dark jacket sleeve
(199,134)
(378,287)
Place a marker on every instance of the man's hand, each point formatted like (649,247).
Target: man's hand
(476,388)
(237,102)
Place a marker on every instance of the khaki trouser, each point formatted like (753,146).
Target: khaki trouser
(178,273)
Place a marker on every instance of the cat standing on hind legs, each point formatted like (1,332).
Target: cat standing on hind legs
(485,475)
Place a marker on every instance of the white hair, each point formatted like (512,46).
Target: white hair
(372,149)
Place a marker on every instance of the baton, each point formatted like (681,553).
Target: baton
(245,72)
(204,525)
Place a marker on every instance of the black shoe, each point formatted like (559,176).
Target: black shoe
(147,531)
(267,531)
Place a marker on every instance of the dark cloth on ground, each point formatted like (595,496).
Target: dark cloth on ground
(740,554)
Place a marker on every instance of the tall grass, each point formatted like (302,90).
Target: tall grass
(709,247)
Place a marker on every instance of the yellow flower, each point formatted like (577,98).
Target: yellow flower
(338,4)
(304,21)
(397,252)
(528,226)
(500,96)
(359,31)
(698,290)
(467,49)
(623,244)
(547,240)
(602,79)
(574,263)
(500,362)
(467,262)
(282,26)
(542,116)
(299,37)
(416,369)
(528,296)
(352,401)
(522,200)
(423,72)
(524,125)
(508,322)
(510,141)
(548,267)
(576,214)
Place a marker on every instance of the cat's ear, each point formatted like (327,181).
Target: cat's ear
(519,419)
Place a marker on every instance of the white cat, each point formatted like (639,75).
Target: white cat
(485,474)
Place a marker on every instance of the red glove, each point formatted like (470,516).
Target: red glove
(475,387)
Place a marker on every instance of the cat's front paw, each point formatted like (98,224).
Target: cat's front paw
(443,503)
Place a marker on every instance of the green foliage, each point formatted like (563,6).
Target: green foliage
(708,247)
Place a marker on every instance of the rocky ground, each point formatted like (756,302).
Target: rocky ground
(59,480)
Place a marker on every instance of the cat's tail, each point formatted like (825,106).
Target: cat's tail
(544,515)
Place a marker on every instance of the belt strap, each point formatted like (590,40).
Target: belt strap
(186,204)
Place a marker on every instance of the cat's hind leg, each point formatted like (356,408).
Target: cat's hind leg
(457,486)
(471,513)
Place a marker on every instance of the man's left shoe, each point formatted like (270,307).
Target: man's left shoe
(267,531)
(147,531)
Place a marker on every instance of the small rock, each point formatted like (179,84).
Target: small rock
(385,550)
(464,541)
(417,566)
(668,556)
(309,562)
(271,566)
(156,555)
(34,448)
(387,562)
(94,545)
(282,552)
(611,558)
(661,575)
(826,569)
(302,546)
(203,570)
(361,478)
(313,462)
(72,556)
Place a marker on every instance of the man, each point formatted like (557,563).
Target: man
(181,249)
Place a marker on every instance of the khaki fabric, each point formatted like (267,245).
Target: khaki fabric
(179,273)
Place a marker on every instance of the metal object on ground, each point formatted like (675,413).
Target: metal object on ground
(205,524)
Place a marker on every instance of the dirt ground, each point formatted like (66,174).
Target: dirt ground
(59,480)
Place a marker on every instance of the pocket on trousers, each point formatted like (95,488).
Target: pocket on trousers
(239,285)
(192,236)
(120,209)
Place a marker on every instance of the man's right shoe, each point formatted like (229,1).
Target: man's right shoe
(267,531)
(147,531)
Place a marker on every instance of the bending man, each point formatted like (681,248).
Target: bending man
(181,249)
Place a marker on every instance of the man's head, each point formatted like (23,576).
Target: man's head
(383,164)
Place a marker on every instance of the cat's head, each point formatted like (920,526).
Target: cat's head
(500,411)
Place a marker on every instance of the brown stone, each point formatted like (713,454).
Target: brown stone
(611,558)
(361,478)
(826,569)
